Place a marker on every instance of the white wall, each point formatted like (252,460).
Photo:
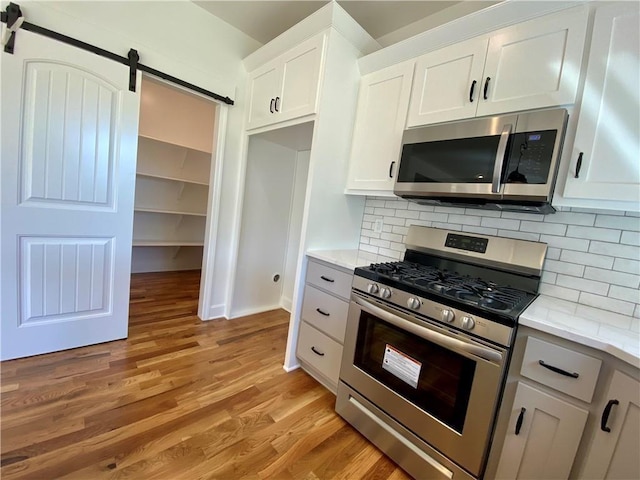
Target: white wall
(266,211)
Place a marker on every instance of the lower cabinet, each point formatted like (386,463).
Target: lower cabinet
(543,436)
(614,451)
(324,319)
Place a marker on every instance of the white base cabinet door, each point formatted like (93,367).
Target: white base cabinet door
(605,161)
(542,438)
(615,450)
(377,139)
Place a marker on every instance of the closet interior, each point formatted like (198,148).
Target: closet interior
(174,167)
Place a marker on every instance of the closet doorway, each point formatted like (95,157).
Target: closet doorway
(174,180)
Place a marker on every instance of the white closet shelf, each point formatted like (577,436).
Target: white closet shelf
(149,137)
(174,179)
(173,212)
(164,243)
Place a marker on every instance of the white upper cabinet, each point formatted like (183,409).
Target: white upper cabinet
(605,160)
(613,453)
(447,83)
(534,64)
(288,86)
(380,120)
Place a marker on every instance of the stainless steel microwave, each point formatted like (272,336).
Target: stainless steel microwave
(505,162)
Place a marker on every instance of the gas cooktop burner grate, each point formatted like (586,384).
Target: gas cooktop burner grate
(446,284)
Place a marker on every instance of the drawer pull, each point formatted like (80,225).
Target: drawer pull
(327,279)
(313,349)
(520,420)
(322,312)
(605,415)
(558,370)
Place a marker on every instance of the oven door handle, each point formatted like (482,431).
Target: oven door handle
(431,335)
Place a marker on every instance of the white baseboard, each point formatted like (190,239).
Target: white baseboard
(214,312)
(291,368)
(286,304)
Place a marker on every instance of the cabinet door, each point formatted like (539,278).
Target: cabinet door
(614,453)
(607,142)
(534,64)
(264,84)
(447,83)
(300,88)
(547,438)
(377,138)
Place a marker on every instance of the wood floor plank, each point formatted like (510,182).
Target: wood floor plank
(179,398)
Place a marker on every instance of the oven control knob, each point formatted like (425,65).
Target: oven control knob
(413,303)
(385,292)
(468,323)
(448,316)
(372,288)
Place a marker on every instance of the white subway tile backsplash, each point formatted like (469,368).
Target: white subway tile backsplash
(624,293)
(591,233)
(607,303)
(623,223)
(630,238)
(612,277)
(563,267)
(541,227)
(615,250)
(571,218)
(583,285)
(586,259)
(464,219)
(593,256)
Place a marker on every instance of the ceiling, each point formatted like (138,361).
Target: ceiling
(264,20)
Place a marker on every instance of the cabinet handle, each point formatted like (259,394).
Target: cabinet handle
(520,420)
(313,349)
(578,165)
(322,312)
(276,104)
(391,169)
(473,87)
(558,370)
(327,279)
(605,415)
(486,87)
(271,105)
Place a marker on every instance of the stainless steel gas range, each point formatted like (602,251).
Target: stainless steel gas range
(427,347)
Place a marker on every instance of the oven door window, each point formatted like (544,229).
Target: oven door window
(428,375)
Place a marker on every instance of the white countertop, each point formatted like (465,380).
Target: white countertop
(349,258)
(608,332)
(618,335)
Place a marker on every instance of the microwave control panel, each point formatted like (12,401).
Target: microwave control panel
(530,157)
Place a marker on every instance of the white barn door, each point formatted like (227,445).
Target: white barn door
(68,159)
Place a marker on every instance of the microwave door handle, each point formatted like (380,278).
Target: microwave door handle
(431,335)
(500,154)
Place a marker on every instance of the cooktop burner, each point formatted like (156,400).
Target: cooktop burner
(443,284)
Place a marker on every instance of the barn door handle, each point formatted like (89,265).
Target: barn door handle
(486,87)
(558,370)
(520,420)
(605,415)
(578,165)
(473,87)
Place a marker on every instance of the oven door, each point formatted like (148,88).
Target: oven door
(439,384)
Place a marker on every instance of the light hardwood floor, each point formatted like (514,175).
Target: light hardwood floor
(179,398)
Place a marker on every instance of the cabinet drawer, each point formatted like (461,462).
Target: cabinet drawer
(320,352)
(567,361)
(329,279)
(325,312)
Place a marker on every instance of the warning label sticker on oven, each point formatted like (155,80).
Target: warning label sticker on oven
(401,365)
